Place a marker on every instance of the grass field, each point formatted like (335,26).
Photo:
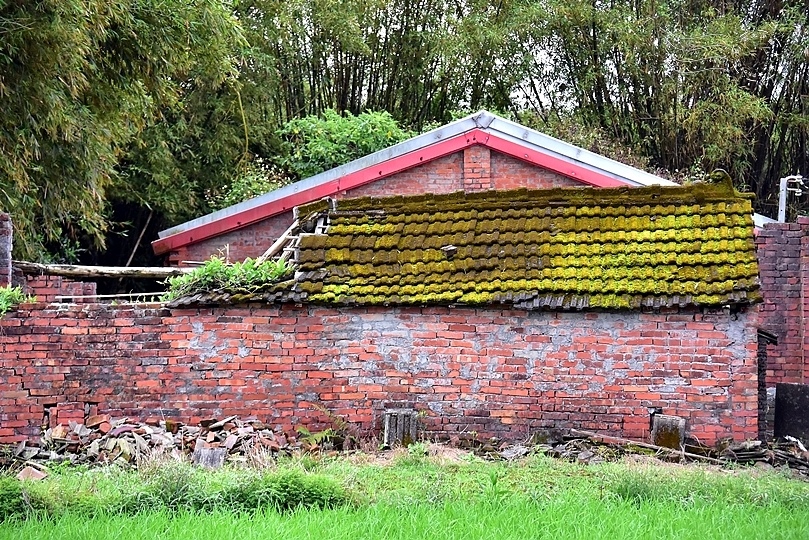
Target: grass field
(414,496)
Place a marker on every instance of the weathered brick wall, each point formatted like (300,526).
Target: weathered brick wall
(5,249)
(442,175)
(237,245)
(485,372)
(511,173)
(48,288)
(783,257)
(474,169)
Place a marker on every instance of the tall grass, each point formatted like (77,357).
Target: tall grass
(413,497)
(172,487)
(563,518)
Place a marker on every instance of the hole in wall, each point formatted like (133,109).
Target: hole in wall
(48,414)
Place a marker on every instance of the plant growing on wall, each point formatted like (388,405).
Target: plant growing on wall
(216,274)
(10,297)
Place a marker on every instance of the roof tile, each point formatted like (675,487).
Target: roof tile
(562,248)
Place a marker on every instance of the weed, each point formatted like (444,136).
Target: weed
(183,487)
(342,434)
(10,297)
(495,493)
(246,277)
(418,449)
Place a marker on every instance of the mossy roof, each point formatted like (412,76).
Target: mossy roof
(563,248)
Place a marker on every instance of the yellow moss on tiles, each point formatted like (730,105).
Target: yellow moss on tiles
(603,248)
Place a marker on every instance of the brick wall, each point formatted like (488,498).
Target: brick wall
(474,169)
(237,245)
(511,173)
(442,175)
(48,288)
(482,372)
(783,256)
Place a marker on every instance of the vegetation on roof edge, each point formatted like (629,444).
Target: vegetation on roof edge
(248,277)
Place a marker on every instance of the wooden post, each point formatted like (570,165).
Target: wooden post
(400,427)
(668,431)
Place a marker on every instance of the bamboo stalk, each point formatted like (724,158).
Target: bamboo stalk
(75,270)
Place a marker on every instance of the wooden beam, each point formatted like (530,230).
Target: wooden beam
(78,271)
(278,244)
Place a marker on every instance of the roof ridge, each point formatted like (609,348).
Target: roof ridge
(561,196)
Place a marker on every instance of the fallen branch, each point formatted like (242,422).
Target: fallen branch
(607,439)
(72,270)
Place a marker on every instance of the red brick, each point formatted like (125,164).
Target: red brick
(466,365)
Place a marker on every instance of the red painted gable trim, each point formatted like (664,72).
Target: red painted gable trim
(376,172)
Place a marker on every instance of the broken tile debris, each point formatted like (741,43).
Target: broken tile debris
(123,441)
(588,447)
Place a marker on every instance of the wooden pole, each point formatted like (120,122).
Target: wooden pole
(78,271)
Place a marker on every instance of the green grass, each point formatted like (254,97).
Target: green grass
(564,518)
(415,497)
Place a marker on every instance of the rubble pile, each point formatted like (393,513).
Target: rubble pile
(104,440)
(789,452)
(588,447)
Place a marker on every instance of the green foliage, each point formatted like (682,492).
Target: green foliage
(178,486)
(318,438)
(615,495)
(80,81)
(10,297)
(249,276)
(12,504)
(698,85)
(251,181)
(157,104)
(289,490)
(696,487)
(341,433)
(579,518)
(317,143)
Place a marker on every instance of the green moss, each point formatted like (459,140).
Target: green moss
(606,248)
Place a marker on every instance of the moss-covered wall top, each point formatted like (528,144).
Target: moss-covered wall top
(560,248)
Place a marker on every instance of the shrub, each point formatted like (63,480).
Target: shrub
(183,487)
(12,503)
(251,181)
(287,491)
(315,144)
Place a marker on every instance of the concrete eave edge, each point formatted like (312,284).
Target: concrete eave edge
(482,128)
